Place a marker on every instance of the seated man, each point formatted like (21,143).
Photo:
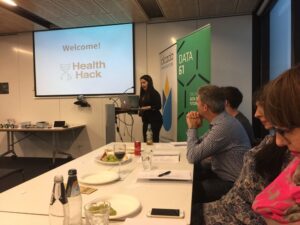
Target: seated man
(225,144)
(234,98)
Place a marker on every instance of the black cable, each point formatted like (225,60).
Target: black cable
(127,125)
(118,128)
(118,121)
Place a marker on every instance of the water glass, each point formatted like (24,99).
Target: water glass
(146,157)
(97,213)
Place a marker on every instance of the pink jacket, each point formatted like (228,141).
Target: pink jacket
(279,200)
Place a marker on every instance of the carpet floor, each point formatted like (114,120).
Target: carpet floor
(29,168)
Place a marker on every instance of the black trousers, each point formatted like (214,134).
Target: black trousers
(155,126)
(207,186)
(197,217)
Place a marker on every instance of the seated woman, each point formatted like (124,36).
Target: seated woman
(258,171)
(279,203)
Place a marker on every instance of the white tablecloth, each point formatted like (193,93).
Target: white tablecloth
(28,203)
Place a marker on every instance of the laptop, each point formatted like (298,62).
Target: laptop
(129,102)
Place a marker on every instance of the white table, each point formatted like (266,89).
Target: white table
(28,203)
(55,131)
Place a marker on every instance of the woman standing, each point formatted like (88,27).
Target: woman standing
(150,104)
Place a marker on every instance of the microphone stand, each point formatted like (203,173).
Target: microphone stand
(116,117)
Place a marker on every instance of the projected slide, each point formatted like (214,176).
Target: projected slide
(88,61)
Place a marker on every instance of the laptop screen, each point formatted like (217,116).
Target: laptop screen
(129,101)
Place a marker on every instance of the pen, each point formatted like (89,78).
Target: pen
(164,174)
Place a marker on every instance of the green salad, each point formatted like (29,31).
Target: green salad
(109,158)
(98,208)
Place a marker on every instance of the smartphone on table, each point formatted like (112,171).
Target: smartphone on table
(170,213)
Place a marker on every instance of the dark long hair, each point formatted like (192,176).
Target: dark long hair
(282,106)
(145,95)
(269,160)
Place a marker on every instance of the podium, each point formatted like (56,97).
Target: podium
(111,120)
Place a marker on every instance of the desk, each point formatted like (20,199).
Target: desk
(31,131)
(28,203)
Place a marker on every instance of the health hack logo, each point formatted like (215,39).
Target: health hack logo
(78,70)
(65,68)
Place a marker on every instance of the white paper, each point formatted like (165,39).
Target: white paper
(165,146)
(174,175)
(154,221)
(165,159)
(166,152)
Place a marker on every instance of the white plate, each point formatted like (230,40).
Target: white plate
(99,178)
(125,205)
(126,159)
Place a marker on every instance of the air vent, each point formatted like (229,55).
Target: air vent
(151,8)
(28,15)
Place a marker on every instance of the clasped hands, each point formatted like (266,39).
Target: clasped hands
(193,120)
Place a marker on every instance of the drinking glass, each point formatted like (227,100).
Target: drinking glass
(97,212)
(120,152)
(146,157)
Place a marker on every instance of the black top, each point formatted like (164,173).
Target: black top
(246,124)
(150,98)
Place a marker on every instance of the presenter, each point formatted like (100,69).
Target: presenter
(150,104)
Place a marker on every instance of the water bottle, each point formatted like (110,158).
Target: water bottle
(59,207)
(74,198)
(149,135)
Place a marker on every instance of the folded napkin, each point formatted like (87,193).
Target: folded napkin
(280,200)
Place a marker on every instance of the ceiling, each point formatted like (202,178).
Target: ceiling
(50,14)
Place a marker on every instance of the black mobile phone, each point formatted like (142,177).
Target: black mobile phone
(159,212)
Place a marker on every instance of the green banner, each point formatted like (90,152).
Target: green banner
(193,71)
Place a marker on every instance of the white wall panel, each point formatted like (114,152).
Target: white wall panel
(231,56)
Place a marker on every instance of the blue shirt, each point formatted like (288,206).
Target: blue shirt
(226,143)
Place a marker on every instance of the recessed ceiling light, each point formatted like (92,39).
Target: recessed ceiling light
(10,2)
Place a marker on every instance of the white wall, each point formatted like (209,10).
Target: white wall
(231,56)
(231,65)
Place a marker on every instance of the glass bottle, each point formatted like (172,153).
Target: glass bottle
(74,198)
(59,207)
(149,135)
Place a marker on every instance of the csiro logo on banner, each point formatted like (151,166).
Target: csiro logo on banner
(167,106)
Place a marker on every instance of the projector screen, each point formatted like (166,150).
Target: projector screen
(84,61)
(280,38)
